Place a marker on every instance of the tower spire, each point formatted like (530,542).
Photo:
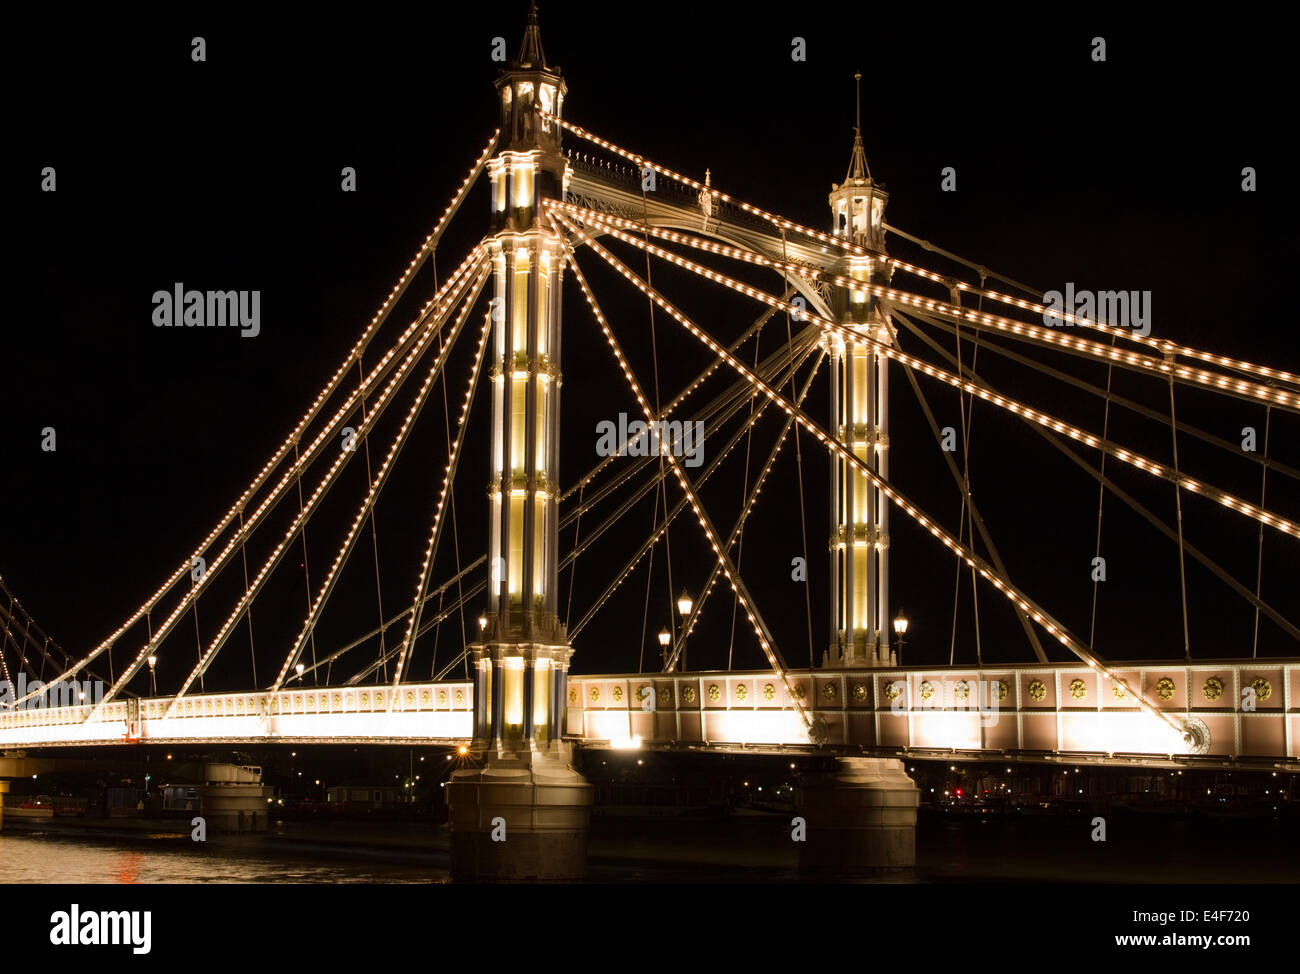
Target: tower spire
(530,51)
(858,168)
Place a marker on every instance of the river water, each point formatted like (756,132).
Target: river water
(948,850)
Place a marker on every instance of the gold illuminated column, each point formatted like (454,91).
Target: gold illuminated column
(859,542)
(523,812)
(521,663)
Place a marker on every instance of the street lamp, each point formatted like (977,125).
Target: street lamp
(153,683)
(665,639)
(298,669)
(482,624)
(684,605)
(900,630)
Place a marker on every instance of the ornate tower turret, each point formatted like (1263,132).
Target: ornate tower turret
(859,540)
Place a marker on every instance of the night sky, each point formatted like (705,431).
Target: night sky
(226,175)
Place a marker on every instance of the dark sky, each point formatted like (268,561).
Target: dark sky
(225,174)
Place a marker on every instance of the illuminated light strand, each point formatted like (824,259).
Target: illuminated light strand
(782,373)
(1023,330)
(1043,419)
(234,511)
(326,482)
(717,411)
(449,474)
(856,250)
(777,221)
(330,388)
(1160,344)
(733,576)
(676,402)
(372,496)
(745,511)
(1010,591)
(430,327)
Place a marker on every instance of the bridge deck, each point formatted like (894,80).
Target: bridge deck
(1027,709)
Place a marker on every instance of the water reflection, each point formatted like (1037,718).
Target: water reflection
(51,858)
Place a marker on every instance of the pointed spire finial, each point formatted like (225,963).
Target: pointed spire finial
(530,51)
(857,102)
(858,168)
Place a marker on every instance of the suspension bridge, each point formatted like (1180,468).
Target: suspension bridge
(571,211)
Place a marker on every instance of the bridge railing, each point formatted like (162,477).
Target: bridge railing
(434,710)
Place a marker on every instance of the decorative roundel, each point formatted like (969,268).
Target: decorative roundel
(311,700)
(189,706)
(927,690)
(769,692)
(1263,689)
(799,691)
(208,708)
(665,696)
(962,690)
(688,694)
(594,693)
(365,700)
(1119,691)
(424,697)
(829,691)
(1078,689)
(742,691)
(893,690)
(442,698)
(573,694)
(460,697)
(714,693)
(1037,689)
(410,697)
(1213,688)
(1004,688)
(644,693)
(860,692)
(297,700)
(338,699)
(618,694)
(1164,688)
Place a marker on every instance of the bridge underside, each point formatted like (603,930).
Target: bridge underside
(1031,712)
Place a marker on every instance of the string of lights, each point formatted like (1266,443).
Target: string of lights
(1017,329)
(1127,456)
(449,476)
(1011,592)
(372,496)
(286,481)
(326,482)
(766,643)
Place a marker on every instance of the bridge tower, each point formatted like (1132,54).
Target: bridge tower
(862,815)
(524,813)
(859,542)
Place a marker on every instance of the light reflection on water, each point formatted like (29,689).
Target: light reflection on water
(51,858)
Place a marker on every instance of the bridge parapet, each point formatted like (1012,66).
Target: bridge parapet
(1236,710)
(430,710)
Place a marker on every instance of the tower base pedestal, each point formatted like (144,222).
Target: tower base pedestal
(520,818)
(860,818)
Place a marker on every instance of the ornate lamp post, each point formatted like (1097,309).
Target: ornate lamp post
(900,630)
